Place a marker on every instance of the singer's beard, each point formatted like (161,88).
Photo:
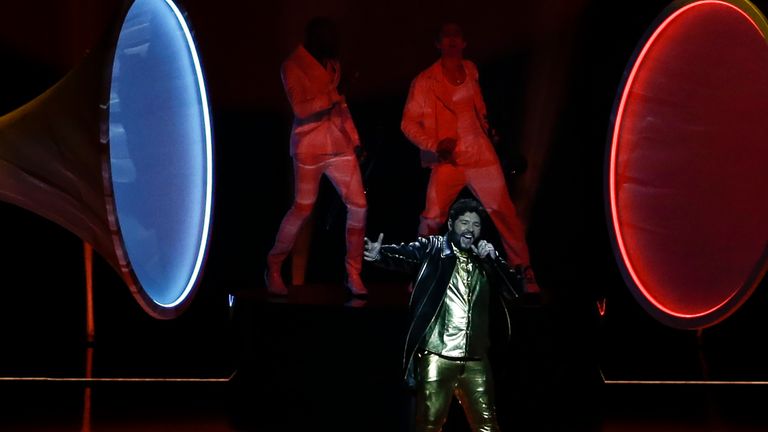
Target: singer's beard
(462,243)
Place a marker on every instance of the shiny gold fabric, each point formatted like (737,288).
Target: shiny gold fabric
(440,378)
(460,328)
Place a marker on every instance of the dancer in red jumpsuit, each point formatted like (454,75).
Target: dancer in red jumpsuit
(324,141)
(445,116)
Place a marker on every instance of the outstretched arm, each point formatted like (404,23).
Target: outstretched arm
(405,257)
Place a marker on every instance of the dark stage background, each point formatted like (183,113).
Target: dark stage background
(550,71)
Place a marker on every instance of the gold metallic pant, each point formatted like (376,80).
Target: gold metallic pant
(438,379)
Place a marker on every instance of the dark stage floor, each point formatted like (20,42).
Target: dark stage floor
(315,361)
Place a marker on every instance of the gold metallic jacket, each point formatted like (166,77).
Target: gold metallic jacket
(460,327)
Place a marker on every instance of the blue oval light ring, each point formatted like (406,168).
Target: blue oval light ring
(691,267)
(159,159)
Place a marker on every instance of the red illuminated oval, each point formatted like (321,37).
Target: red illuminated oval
(687,174)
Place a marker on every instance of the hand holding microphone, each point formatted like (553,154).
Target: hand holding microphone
(484,249)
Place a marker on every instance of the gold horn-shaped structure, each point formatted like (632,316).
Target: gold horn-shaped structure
(119,152)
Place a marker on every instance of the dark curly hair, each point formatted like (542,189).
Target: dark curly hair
(466,205)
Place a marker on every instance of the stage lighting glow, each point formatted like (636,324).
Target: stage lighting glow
(160,154)
(685,175)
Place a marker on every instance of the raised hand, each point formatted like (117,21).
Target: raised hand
(371,250)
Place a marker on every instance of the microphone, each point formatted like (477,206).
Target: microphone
(511,277)
(491,255)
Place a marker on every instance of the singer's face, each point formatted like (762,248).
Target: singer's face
(465,230)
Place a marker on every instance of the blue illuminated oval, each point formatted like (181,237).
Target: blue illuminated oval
(160,153)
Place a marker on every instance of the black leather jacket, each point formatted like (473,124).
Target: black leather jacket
(434,260)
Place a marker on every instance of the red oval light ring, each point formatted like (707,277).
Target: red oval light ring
(687,168)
